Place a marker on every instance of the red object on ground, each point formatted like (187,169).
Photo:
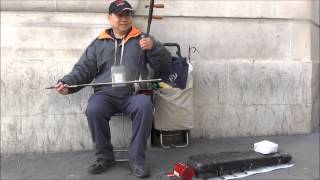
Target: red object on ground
(183,171)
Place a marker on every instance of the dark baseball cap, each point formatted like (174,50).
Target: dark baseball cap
(119,6)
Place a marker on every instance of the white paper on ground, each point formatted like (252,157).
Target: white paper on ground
(265,147)
(253,171)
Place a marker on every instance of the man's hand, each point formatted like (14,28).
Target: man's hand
(146,43)
(62,88)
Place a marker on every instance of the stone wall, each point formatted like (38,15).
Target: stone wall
(256,73)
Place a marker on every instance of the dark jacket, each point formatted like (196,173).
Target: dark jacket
(95,63)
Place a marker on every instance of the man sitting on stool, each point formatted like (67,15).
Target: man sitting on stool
(118,52)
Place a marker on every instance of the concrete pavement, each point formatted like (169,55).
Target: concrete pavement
(73,165)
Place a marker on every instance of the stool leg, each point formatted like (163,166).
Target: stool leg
(121,151)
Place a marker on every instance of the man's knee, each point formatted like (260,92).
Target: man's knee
(96,110)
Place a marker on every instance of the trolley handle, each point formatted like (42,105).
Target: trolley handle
(175,45)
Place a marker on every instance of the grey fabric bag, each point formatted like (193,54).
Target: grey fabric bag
(174,107)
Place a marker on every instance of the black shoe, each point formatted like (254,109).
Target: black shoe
(100,166)
(139,171)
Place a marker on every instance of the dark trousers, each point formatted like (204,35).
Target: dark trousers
(99,110)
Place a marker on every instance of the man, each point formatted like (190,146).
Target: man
(119,53)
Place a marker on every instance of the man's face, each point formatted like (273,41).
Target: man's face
(122,22)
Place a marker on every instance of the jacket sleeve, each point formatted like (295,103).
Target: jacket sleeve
(158,57)
(84,70)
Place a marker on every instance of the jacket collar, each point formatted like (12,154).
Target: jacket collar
(133,33)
